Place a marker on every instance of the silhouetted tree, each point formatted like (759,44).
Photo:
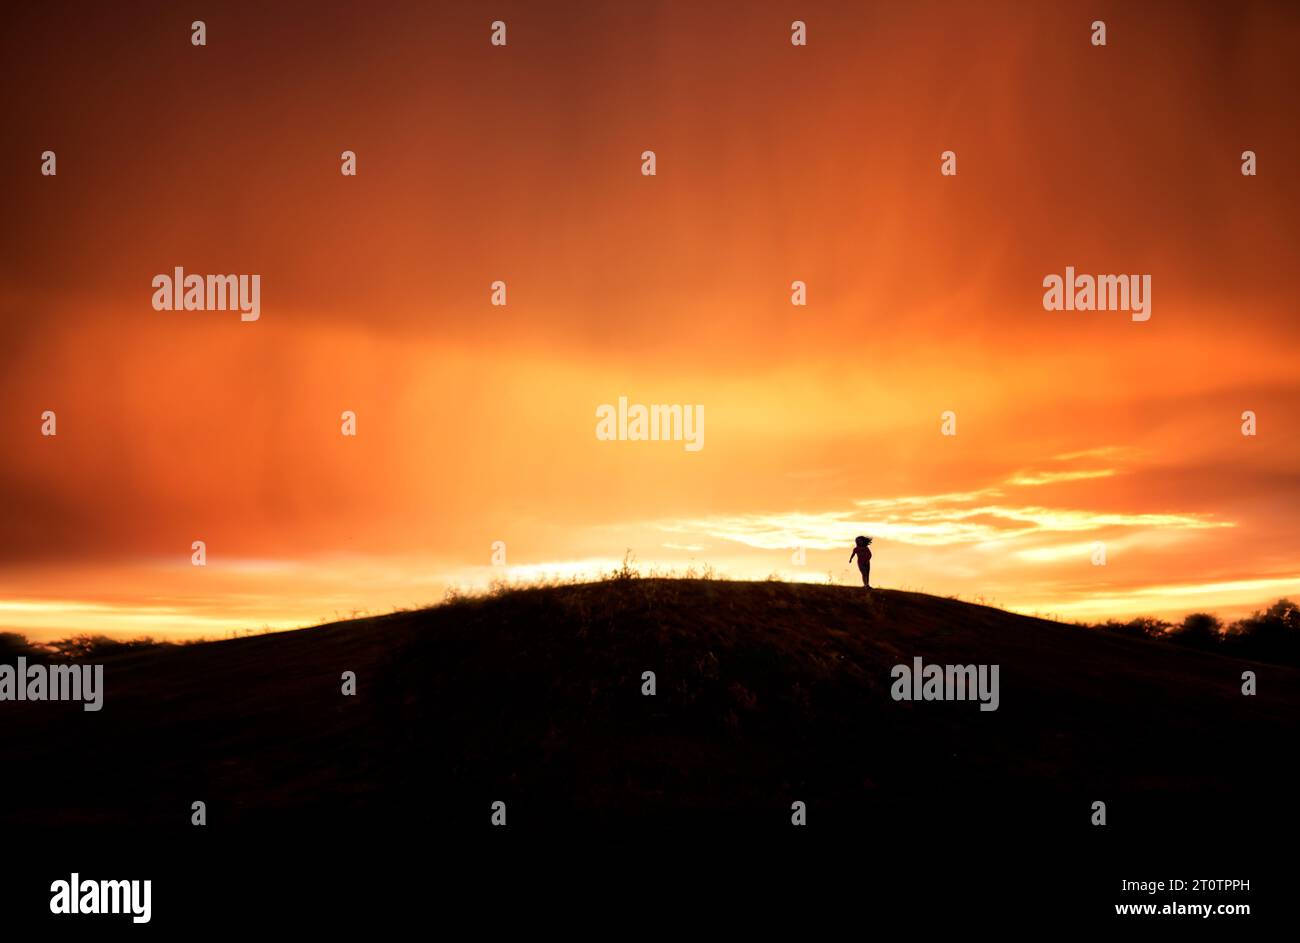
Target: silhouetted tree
(1141,627)
(86,646)
(1198,630)
(13,644)
(1272,635)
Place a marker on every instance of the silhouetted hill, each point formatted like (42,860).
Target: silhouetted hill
(767,693)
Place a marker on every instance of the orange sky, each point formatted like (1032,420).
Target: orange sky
(775,163)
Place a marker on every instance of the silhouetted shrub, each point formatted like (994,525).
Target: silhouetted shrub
(94,646)
(1272,635)
(12,644)
(1141,627)
(1198,630)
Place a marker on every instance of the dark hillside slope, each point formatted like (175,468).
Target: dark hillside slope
(767,693)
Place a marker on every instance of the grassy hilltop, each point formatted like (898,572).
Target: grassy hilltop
(767,693)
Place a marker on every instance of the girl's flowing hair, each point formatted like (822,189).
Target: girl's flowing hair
(863,541)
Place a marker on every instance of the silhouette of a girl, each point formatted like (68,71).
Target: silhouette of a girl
(863,552)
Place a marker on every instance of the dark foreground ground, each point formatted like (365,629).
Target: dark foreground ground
(768,693)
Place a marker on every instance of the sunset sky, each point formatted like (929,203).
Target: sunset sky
(523,163)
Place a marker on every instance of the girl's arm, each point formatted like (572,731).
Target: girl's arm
(852,555)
